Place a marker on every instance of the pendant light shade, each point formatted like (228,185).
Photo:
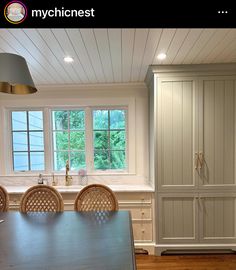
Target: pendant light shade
(15,77)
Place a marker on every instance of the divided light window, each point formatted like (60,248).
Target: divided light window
(68,139)
(27,140)
(109,139)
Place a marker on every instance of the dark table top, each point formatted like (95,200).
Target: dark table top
(68,240)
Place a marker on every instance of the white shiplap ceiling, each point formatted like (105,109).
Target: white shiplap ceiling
(113,55)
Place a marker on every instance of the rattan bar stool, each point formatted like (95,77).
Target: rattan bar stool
(41,198)
(96,197)
(4,199)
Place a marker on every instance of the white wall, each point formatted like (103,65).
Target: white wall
(134,95)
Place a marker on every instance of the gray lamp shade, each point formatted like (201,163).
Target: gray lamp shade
(15,77)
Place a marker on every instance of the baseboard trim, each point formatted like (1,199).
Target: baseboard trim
(150,247)
(194,248)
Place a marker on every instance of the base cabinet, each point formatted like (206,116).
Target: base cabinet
(140,204)
(201,218)
(177,216)
(217,217)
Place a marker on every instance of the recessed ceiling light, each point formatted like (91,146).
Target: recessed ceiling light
(68,59)
(161,56)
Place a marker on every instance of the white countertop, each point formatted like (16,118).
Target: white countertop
(74,188)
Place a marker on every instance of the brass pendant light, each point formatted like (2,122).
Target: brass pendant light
(15,77)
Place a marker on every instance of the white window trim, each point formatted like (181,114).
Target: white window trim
(128,104)
(50,130)
(105,172)
(8,142)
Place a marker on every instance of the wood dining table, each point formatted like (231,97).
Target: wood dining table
(68,240)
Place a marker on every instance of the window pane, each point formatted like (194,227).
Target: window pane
(118,160)
(117,140)
(37,161)
(100,119)
(77,160)
(100,140)
(19,121)
(20,161)
(117,119)
(77,120)
(60,140)
(101,160)
(36,141)
(77,141)
(60,159)
(35,120)
(60,120)
(20,141)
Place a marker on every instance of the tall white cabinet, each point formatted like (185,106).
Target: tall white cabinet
(193,134)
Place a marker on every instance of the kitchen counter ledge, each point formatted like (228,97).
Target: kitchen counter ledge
(77,188)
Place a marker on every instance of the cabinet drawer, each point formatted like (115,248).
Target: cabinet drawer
(138,212)
(134,197)
(142,231)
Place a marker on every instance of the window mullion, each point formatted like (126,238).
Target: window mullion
(68,134)
(28,139)
(48,141)
(109,140)
(89,149)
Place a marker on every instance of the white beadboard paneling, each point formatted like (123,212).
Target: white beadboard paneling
(218,217)
(127,53)
(176,132)
(187,45)
(103,48)
(188,131)
(113,55)
(37,54)
(165,41)
(114,37)
(167,131)
(26,53)
(139,47)
(6,47)
(198,46)
(228,54)
(208,130)
(45,50)
(57,50)
(219,126)
(211,45)
(229,132)
(151,47)
(213,56)
(176,44)
(68,50)
(92,49)
(80,49)
(177,218)
(219,131)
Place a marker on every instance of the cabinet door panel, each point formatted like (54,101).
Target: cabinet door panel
(218,132)
(177,217)
(176,133)
(218,219)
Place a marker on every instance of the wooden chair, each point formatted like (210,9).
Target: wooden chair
(41,198)
(4,199)
(96,197)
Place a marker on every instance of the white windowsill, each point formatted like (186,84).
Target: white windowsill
(77,188)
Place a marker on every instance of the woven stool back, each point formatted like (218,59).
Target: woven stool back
(4,199)
(41,198)
(96,197)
